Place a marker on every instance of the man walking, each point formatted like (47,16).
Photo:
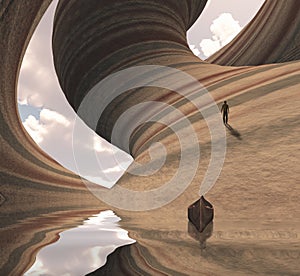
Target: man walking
(225,111)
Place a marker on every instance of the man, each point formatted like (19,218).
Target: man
(225,111)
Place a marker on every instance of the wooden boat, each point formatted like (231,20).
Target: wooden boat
(200,213)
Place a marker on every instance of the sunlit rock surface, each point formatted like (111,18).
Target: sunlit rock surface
(256,198)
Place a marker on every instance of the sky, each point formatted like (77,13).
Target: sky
(49,119)
(219,23)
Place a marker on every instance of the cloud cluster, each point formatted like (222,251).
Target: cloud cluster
(224,28)
(38,88)
(102,164)
(195,50)
(38,85)
(52,119)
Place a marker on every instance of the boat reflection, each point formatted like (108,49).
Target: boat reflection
(83,249)
(201,236)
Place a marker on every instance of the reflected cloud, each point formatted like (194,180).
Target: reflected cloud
(83,249)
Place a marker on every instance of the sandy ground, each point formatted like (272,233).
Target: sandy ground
(256,200)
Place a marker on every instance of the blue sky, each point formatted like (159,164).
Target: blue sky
(25,110)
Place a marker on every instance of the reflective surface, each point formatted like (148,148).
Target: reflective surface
(83,249)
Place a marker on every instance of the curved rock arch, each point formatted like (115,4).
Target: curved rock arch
(34,185)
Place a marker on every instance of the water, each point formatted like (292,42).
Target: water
(83,249)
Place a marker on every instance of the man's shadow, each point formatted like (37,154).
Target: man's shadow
(233,131)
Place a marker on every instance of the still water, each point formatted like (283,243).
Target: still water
(83,249)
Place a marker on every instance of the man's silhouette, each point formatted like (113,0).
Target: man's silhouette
(225,111)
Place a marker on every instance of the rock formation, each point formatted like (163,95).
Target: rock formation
(271,37)
(42,198)
(99,46)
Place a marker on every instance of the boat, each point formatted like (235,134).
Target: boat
(201,213)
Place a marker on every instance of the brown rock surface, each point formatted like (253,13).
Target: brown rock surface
(256,198)
(271,37)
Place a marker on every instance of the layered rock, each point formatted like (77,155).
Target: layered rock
(114,35)
(256,198)
(272,36)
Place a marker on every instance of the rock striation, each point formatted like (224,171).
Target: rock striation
(272,36)
(114,35)
(94,39)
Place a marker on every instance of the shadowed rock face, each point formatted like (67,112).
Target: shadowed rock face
(260,170)
(108,36)
(36,192)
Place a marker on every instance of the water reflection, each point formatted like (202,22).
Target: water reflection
(201,236)
(82,249)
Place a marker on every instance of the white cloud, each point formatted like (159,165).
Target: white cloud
(209,46)
(38,88)
(195,50)
(101,145)
(38,85)
(99,161)
(50,132)
(33,127)
(49,117)
(224,29)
